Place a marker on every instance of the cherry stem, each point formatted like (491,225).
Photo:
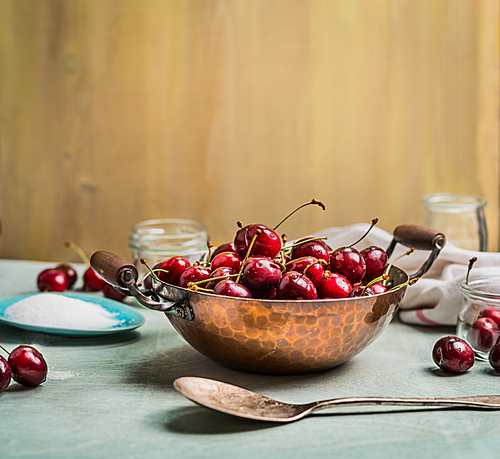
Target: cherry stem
(312,201)
(257,232)
(204,281)
(145,263)
(208,254)
(471,264)
(195,288)
(374,222)
(389,266)
(409,282)
(5,349)
(79,251)
(296,244)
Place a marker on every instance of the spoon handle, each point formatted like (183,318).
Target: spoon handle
(480,401)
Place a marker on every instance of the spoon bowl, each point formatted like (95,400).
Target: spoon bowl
(237,401)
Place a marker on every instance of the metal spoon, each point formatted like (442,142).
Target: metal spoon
(244,403)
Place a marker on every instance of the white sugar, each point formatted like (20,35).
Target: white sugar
(58,374)
(59,311)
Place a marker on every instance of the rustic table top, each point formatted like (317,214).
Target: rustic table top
(113,396)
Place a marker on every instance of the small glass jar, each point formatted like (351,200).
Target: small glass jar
(460,217)
(480,306)
(158,240)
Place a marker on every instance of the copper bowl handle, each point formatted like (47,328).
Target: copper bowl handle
(421,238)
(123,275)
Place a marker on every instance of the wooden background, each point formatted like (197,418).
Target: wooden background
(117,111)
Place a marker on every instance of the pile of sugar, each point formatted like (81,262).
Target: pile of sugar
(59,311)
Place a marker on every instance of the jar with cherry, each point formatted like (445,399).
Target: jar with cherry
(479,320)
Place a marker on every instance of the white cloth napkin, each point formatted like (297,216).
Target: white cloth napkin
(436,298)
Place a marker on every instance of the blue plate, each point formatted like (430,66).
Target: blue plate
(129,318)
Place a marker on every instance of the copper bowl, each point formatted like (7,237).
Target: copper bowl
(275,336)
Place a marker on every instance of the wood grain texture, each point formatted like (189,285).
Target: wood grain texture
(223,110)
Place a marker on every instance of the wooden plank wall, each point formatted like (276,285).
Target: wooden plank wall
(118,111)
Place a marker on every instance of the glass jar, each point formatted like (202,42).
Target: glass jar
(460,217)
(158,240)
(480,307)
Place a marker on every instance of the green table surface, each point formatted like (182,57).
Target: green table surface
(113,396)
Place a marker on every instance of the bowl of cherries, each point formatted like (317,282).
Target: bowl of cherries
(261,305)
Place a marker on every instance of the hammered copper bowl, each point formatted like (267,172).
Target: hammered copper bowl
(274,336)
(286,337)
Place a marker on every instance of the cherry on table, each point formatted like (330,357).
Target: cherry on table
(52,280)
(70,273)
(110,292)
(453,355)
(5,374)
(494,356)
(92,281)
(27,365)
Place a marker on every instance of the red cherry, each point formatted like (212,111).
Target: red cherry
(266,244)
(219,272)
(5,374)
(148,282)
(360,290)
(316,248)
(296,286)
(266,294)
(261,273)
(378,288)
(110,292)
(28,366)
(453,355)
(228,247)
(170,270)
(70,273)
(194,274)
(491,313)
(483,334)
(229,259)
(334,285)
(92,280)
(229,287)
(494,356)
(348,262)
(310,266)
(374,289)
(52,280)
(375,261)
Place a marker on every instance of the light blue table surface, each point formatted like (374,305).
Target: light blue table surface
(112,397)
